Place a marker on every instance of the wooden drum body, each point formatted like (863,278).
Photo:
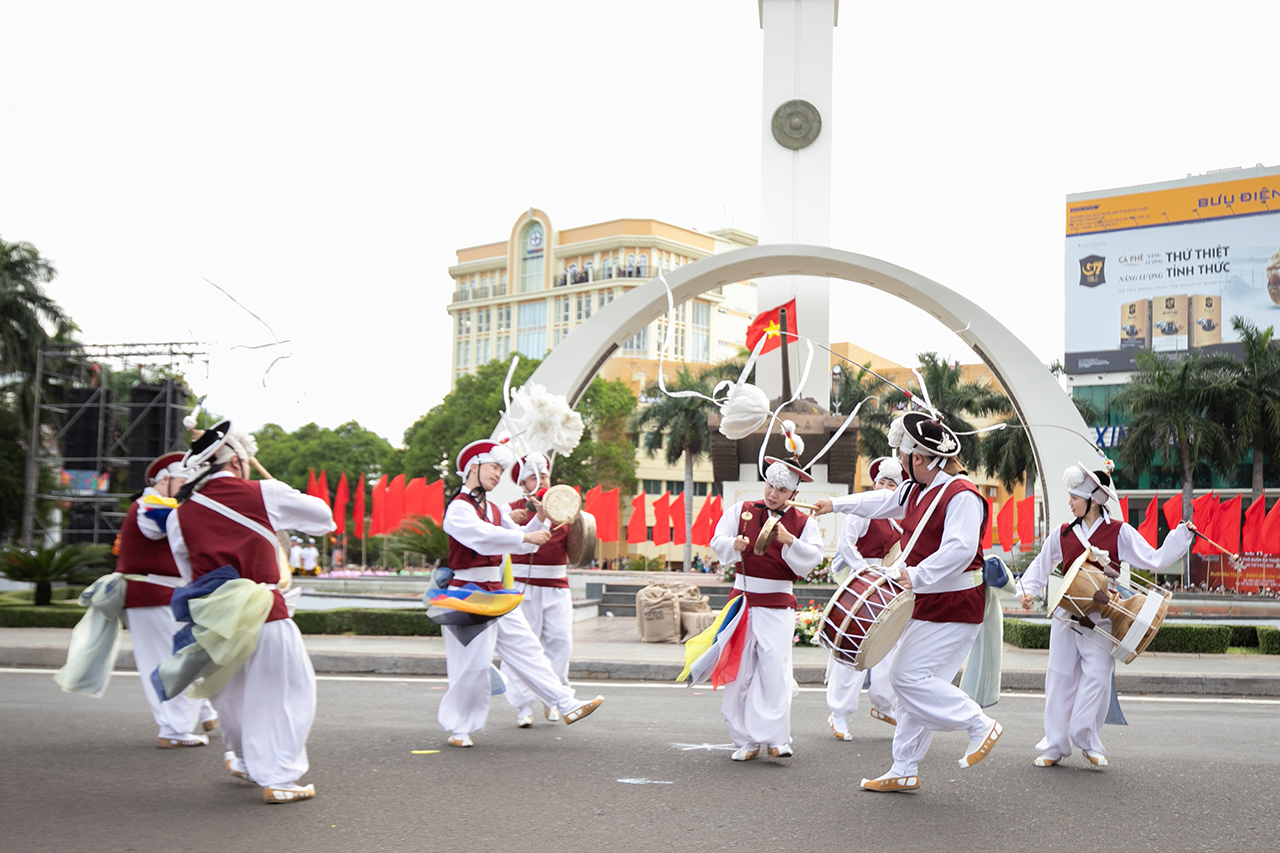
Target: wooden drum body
(864,619)
(1136,609)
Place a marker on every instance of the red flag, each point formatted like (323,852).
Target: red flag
(1004,525)
(986,528)
(395,504)
(1027,524)
(415,497)
(607,516)
(1227,531)
(1269,542)
(1124,509)
(433,506)
(677,520)
(717,512)
(591,504)
(1254,516)
(311,483)
(768,323)
(340,506)
(357,513)
(1172,510)
(1204,513)
(702,524)
(661,520)
(378,522)
(1147,529)
(322,489)
(636,527)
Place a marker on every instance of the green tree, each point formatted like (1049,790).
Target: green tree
(853,386)
(678,424)
(82,561)
(28,317)
(1253,412)
(350,448)
(1172,406)
(605,457)
(1007,455)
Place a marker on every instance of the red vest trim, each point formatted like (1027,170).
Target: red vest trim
(554,553)
(139,555)
(879,539)
(213,540)
(769,564)
(462,557)
(959,606)
(1105,538)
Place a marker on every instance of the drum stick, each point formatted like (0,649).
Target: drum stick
(799,505)
(1235,558)
(266,475)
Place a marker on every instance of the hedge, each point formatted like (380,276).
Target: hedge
(1244,636)
(47,616)
(1269,640)
(1026,634)
(1189,639)
(369,621)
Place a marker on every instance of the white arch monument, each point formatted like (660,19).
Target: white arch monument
(1035,394)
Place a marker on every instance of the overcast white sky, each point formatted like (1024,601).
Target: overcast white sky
(322,161)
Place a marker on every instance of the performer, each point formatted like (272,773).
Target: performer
(295,554)
(943,517)
(479,536)
(543,577)
(225,519)
(142,549)
(757,703)
(1078,677)
(865,542)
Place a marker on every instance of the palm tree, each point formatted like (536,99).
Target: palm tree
(82,561)
(25,309)
(1172,406)
(873,418)
(1254,408)
(1007,453)
(678,424)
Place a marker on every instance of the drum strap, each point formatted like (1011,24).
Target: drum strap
(928,513)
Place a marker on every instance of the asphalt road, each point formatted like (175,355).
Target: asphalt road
(649,771)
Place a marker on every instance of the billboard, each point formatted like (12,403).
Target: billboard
(1164,268)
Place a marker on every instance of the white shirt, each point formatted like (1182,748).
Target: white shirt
(310,555)
(801,556)
(463,523)
(295,555)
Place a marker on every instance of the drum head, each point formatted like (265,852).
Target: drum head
(887,630)
(580,546)
(767,534)
(561,503)
(1056,599)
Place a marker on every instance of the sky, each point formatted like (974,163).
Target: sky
(321,162)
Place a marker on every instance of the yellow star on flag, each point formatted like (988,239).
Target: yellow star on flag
(773,330)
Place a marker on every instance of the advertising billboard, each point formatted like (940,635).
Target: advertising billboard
(1165,267)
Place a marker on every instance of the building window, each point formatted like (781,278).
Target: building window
(587,269)
(700,332)
(675,487)
(531,337)
(464,322)
(584,306)
(631,267)
(502,285)
(642,266)
(700,490)
(606,296)
(653,487)
(562,309)
(464,353)
(606,266)
(483,320)
(502,347)
(533,259)
(638,342)
(482,352)
(504,318)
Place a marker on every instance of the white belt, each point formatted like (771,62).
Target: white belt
(952,583)
(480,574)
(760,585)
(541,572)
(159,580)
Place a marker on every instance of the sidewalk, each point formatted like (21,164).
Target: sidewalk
(606,648)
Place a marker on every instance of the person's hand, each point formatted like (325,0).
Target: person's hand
(822,506)
(538,537)
(741,543)
(520,516)
(1025,601)
(784,535)
(542,513)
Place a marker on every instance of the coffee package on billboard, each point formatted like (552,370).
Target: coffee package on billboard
(1135,324)
(1206,320)
(1169,323)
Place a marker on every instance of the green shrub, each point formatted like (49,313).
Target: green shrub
(40,617)
(1192,639)
(1269,640)
(23,597)
(1244,636)
(1025,634)
(369,621)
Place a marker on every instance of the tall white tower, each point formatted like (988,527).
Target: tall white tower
(795,165)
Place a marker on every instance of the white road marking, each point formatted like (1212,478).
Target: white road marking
(690,747)
(644,782)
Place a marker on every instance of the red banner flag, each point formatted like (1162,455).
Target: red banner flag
(769,324)
(677,520)
(591,504)
(637,531)
(1227,530)
(340,505)
(717,512)
(357,512)
(1124,509)
(395,504)
(1254,516)
(1004,525)
(378,521)
(986,528)
(702,524)
(1027,524)
(1172,510)
(322,489)
(1204,513)
(311,483)
(661,520)
(607,516)
(1270,540)
(434,504)
(415,497)
(1148,528)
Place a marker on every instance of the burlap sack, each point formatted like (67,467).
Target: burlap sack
(694,622)
(657,615)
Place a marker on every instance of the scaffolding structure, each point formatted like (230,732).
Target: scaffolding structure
(83,374)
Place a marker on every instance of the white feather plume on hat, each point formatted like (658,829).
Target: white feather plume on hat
(545,421)
(745,410)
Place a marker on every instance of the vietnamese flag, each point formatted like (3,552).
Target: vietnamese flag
(1204,513)
(1147,529)
(636,527)
(378,520)
(415,497)
(340,506)
(677,520)
(1254,516)
(1027,524)
(357,513)
(1004,525)
(1227,531)
(395,503)
(661,520)
(1172,510)
(768,324)
(1269,541)
(988,526)
(433,505)
(322,489)
(702,524)
(607,516)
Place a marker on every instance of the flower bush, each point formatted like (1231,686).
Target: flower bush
(821,574)
(808,621)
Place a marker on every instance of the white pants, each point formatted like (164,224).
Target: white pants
(926,661)
(549,612)
(151,631)
(844,687)
(757,704)
(465,705)
(1077,690)
(267,708)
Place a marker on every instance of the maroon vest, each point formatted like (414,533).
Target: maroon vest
(554,553)
(138,555)
(213,540)
(879,539)
(1106,538)
(769,564)
(462,557)
(962,605)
